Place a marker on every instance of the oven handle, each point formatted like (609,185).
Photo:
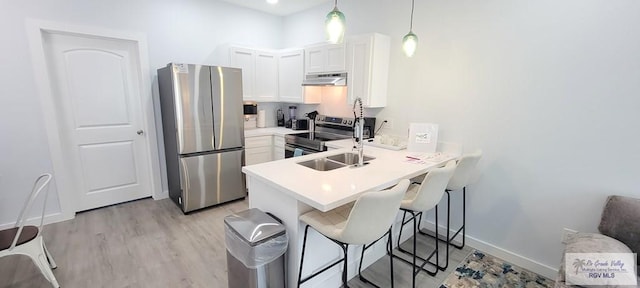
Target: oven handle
(289,147)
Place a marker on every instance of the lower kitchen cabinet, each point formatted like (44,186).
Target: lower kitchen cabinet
(278,147)
(258,149)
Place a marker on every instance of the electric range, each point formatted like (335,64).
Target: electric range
(324,129)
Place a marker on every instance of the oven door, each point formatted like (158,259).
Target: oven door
(290,149)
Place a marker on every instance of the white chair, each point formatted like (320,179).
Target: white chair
(459,181)
(27,240)
(366,221)
(418,199)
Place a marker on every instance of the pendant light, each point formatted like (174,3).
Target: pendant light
(335,24)
(410,41)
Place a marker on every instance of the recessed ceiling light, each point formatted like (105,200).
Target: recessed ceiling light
(272,2)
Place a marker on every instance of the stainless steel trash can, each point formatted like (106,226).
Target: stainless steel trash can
(256,244)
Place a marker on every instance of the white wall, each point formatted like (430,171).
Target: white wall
(177,31)
(548,89)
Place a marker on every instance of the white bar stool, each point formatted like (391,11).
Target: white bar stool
(366,221)
(418,199)
(459,181)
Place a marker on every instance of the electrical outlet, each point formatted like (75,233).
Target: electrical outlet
(389,124)
(566,234)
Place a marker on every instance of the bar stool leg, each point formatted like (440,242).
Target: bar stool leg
(415,216)
(344,271)
(344,247)
(446,239)
(413,268)
(404,214)
(464,220)
(390,243)
(304,245)
(365,247)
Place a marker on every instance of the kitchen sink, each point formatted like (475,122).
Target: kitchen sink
(322,164)
(349,158)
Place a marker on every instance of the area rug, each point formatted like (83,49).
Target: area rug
(485,271)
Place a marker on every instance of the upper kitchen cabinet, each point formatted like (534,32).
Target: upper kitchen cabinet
(368,69)
(266,78)
(245,60)
(290,77)
(322,58)
(259,73)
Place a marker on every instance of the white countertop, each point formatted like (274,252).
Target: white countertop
(281,131)
(326,190)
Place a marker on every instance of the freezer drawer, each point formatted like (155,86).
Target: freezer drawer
(211,179)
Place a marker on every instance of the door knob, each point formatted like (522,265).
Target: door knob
(140,132)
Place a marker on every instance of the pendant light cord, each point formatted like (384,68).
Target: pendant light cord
(413,2)
(335,4)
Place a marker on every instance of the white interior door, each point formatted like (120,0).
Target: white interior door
(96,84)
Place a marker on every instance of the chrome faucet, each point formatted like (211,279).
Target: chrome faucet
(359,132)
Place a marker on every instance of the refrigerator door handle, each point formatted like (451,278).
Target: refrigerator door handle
(184,183)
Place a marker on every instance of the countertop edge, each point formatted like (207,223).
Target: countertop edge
(270,131)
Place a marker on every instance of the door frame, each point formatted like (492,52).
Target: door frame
(67,188)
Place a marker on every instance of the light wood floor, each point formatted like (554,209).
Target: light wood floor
(150,243)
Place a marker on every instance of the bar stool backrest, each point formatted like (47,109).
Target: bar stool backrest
(432,188)
(373,214)
(466,165)
(40,185)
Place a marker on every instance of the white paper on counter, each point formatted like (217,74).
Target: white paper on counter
(423,137)
(428,158)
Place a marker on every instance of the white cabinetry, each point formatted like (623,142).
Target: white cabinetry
(291,72)
(259,73)
(244,59)
(368,69)
(266,78)
(258,149)
(322,58)
(290,77)
(278,147)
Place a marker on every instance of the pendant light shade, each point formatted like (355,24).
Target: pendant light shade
(409,44)
(410,41)
(335,25)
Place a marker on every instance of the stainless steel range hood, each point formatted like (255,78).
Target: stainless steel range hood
(325,79)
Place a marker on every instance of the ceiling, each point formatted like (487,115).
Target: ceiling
(282,8)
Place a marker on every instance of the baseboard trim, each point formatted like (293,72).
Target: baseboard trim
(162,195)
(48,219)
(504,254)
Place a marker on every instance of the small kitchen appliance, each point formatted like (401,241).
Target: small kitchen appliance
(312,120)
(300,124)
(280,118)
(292,116)
(250,115)
(250,108)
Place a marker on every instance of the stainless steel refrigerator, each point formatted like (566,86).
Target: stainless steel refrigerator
(203,134)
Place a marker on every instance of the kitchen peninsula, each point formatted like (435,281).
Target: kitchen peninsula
(288,190)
